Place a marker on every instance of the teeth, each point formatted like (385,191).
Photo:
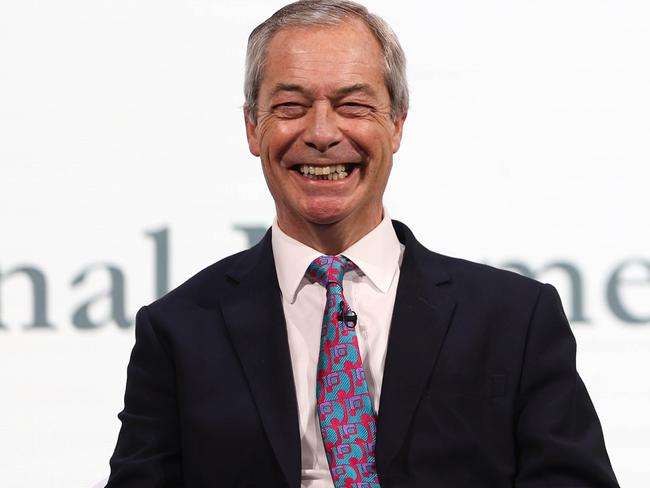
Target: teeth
(333,172)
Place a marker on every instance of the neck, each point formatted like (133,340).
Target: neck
(330,239)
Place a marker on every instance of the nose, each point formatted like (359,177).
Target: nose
(322,131)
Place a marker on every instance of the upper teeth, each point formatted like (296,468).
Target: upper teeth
(333,172)
(322,170)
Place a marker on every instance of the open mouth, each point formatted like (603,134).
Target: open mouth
(331,172)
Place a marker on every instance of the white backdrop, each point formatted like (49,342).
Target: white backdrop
(121,135)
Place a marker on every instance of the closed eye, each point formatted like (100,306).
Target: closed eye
(354,109)
(290,110)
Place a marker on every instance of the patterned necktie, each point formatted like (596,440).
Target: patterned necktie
(346,416)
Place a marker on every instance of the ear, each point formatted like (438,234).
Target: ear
(398,125)
(251,133)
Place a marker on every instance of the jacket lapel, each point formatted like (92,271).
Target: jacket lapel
(421,316)
(255,320)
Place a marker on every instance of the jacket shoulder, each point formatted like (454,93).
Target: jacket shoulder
(202,289)
(486,274)
(461,273)
(492,289)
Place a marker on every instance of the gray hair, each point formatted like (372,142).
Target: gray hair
(305,13)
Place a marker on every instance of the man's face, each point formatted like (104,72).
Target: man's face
(324,130)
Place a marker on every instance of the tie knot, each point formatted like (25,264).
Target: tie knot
(329,269)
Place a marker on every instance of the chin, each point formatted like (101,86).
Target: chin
(325,212)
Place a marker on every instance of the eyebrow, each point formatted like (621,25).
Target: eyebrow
(290,87)
(356,88)
(341,92)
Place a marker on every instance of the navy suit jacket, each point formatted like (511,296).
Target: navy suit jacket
(480,386)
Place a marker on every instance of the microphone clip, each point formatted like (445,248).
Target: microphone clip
(349,317)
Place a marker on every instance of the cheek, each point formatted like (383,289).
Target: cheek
(372,137)
(277,139)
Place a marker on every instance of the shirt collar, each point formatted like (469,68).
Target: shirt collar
(376,254)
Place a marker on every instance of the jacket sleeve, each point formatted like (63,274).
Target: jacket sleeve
(147,454)
(560,440)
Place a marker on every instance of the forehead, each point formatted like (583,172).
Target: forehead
(345,53)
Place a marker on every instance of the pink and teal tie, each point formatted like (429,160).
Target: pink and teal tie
(347,419)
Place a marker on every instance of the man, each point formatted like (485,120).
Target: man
(339,351)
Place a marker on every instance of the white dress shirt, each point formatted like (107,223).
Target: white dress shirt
(370,291)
